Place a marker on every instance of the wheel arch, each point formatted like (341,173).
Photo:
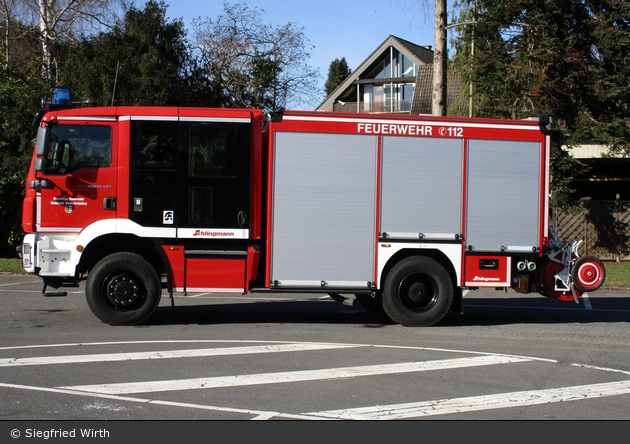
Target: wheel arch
(105,245)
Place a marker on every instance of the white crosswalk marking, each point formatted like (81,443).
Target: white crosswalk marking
(168,354)
(123,391)
(296,376)
(478,403)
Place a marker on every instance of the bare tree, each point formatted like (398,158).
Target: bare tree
(58,19)
(10,10)
(252,64)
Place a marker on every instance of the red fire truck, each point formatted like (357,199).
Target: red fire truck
(400,213)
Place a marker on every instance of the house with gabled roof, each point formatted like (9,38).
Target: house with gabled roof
(396,78)
(384,82)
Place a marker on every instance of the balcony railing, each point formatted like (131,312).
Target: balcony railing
(397,106)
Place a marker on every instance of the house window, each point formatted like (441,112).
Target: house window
(402,67)
(382,70)
(407,67)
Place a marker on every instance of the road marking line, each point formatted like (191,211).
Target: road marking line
(256,413)
(587,302)
(244,341)
(168,354)
(525,307)
(605,369)
(296,376)
(478,403)
(173,341)
(20,283)
(17,290)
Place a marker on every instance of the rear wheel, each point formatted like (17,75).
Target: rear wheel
(123,289)
(418,292)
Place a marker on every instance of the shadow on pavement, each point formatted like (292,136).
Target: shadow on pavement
(477,312)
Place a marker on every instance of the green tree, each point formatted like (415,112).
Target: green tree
(143,61)
(337,73)
(19,100)
(608,120)
(567,58)
(20,94)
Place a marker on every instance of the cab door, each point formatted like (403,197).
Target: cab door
(79,173)
(153,172)
(214,199)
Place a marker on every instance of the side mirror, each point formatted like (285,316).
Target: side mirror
(40,147)
(39,184)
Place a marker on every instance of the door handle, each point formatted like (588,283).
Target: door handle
(109,203)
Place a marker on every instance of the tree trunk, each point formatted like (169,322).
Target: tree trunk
(7,9)
(6,43)
(440,58)
(45,21)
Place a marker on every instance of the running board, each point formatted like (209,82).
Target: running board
(56,294)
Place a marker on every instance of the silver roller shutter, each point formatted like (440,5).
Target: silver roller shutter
(421,190)
(323,227)
(503,205)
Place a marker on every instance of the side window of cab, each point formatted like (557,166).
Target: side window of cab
(154,144)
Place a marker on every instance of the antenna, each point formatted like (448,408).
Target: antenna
(115,81)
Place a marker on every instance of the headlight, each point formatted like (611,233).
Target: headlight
(26,256)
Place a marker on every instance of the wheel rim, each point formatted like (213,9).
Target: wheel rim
(588,274)
(418,292)
(124,290)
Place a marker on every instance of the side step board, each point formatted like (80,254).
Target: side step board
(56,294)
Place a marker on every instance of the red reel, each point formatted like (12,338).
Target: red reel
(547,278)
(588,273)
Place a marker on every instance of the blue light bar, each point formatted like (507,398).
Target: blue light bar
(61,96)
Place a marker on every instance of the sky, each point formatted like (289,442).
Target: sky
(336,28)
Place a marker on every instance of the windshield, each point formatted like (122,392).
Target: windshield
(71,147)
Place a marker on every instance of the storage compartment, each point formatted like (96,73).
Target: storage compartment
(206,271)
(503,205)
(487,271)
(421,188)
(323,227)
(215,275)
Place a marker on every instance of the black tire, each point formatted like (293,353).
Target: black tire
(418,292)
(123,289)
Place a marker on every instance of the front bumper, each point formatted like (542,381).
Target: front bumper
(52,255)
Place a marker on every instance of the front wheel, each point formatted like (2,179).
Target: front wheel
(123,289)
(418,292)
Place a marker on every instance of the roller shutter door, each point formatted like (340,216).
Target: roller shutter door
(323,221)
(503,205)
(421,192)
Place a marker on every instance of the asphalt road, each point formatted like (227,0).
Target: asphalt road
(507,357)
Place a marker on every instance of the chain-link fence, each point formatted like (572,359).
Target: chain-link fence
(604,225)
